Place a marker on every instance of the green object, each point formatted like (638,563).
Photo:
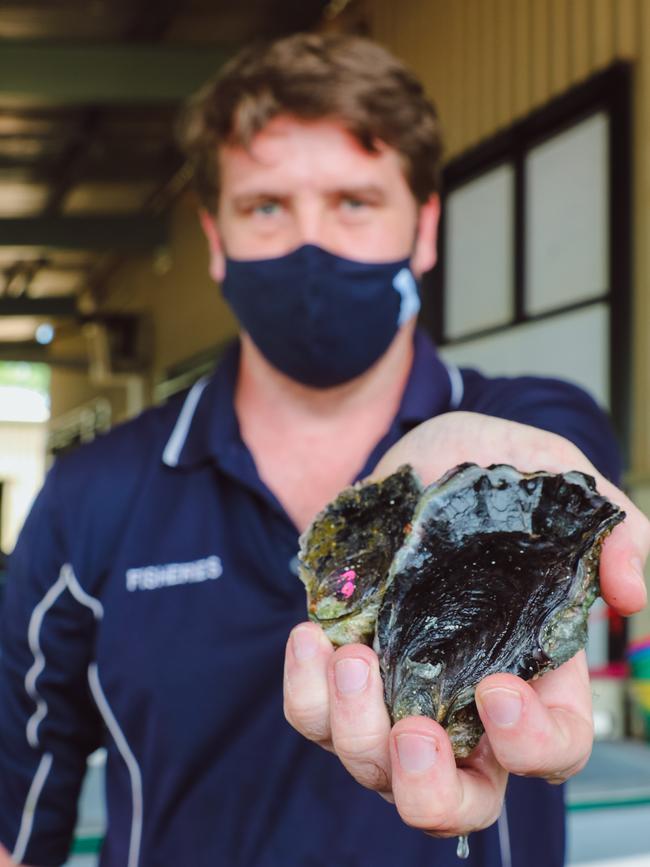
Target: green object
(87,844)
(640,801)
(640,692)
(25,375)
(640,666)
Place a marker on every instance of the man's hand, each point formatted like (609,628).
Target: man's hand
(542,728)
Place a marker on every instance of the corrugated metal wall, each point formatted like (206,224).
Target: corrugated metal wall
(489,62)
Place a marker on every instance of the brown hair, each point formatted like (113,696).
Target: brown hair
(310,76)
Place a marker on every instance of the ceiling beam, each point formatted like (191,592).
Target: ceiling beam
(29,350)
(71,163)
(36,73)
(114,167)
(50,307)
(152,18)
(108,232)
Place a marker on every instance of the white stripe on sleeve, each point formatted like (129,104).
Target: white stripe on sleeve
(29,809)
(129,759)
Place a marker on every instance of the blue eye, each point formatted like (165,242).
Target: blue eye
(267,208)
(353,204)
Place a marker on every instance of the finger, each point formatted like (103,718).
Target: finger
(542,730)
(306,696)
(624,554)
(434,795)
(625,550)
(359,720)
(622,580)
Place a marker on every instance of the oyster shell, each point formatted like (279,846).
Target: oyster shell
(346,553)
(487,570)
(497,575)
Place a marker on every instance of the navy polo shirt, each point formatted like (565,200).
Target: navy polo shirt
(150,597)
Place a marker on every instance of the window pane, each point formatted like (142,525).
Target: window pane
(567,194)
(479,253)
(571,346)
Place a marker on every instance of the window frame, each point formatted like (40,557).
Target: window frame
(609,92)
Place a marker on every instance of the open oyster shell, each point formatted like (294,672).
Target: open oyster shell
(497,575)
(487,570)
(346,553)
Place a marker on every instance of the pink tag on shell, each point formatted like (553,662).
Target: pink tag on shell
(348,579)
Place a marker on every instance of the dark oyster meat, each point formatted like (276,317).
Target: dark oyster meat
(496,573)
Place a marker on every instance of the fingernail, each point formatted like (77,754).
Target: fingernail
(416,753)
(305,643)
(503,706)
(351,675)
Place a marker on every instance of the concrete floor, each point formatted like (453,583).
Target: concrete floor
(609,807)
(610,837)
(638,861)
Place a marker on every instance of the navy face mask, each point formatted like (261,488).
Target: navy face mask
(317,317)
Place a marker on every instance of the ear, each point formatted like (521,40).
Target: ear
(217,257)
(425,254)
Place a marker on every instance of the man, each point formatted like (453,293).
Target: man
(154,584)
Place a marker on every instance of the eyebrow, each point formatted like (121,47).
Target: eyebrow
(245,200)
(372,191)
(252,197)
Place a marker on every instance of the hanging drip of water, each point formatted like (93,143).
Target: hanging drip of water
(462,849)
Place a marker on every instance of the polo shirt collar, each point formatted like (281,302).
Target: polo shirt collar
(207,428)
(433,386)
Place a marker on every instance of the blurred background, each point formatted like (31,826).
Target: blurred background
(106,305)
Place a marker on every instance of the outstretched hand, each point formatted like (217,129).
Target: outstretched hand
(540,728)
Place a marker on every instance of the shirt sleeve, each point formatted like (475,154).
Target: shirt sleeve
(48,721)
(550,404)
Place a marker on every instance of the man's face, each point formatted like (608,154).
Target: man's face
(313,183)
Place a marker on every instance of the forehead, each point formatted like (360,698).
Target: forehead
(299,153)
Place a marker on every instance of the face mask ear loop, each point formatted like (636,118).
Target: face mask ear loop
(416,233)
(414,243)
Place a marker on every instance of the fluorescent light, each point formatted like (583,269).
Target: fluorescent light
(44,333)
